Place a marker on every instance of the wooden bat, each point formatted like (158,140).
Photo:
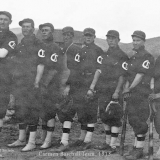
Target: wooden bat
(152,115)
(123,133)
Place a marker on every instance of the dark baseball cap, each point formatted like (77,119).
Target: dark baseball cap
(113,33)
(27,20)
(46,24)
(90,31)
(139,34)
(7,14)
(68,29)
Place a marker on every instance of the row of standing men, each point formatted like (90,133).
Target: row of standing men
(33,72)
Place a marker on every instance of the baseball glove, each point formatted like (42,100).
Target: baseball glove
(114,110)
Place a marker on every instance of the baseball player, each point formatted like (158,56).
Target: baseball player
(139,72)
(47,71)
(8,42)
(70,51)
(26,96)
(83,88)
(110,86)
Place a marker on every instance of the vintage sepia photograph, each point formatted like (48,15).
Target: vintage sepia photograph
(80,80)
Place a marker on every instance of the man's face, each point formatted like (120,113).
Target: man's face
(4,22)
(27,29)
(137,42)
(88,38)
(46,32)
(67,37)
(112,41)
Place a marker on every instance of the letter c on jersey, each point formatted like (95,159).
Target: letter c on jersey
(41,53)
(99,59)
(146,64)
(54,57)
(77,57)
(12,44)
(125,66)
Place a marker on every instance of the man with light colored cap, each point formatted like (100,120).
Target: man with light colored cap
(83,88)
(110,87)
(139,71)
(70,51)
(47,79)
(27,97)
(8,42)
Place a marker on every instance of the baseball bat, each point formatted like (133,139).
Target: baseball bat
(124,122)
(152,115)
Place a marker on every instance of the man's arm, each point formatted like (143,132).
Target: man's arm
(118,88)
(3,52)
(136,80)
(40,70)
(95,79)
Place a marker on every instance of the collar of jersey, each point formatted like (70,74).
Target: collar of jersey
(29,39)
(139,52)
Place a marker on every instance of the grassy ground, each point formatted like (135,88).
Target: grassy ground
(10,133)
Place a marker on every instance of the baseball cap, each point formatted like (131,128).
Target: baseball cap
(28,20)
(113,33)
(46,24)
(139,34)
(67,29)
(90,31)
(7,14)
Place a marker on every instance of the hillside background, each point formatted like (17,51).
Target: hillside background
(152,44)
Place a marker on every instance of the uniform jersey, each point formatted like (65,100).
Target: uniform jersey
(111,67)
(8,41)
(141,62)
(25,61)
(90,61)
(51,58)
(72,60)
(86,61)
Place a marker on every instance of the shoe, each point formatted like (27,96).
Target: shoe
(111,150)
(17,143)
(136,154)
(62,148)
(84,146)
(46,145)
(29,147)
(104,146)
(77,143)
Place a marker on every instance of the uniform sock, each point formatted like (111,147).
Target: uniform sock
(114,136)
(83,132)
(135,141)
(49,128)
(108,133)
(140,141)
(22,135)
(66,131)
(32,137)
(22,132)
(90,129)
(44,132)
(48,136)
